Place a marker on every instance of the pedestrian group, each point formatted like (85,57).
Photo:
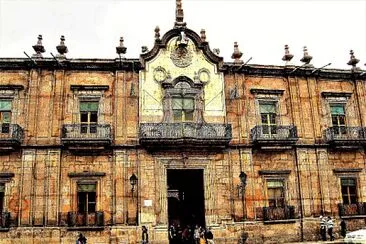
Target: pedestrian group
(326,225)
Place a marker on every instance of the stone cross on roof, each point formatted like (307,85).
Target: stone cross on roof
(179,16)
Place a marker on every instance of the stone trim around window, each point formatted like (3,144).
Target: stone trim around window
(336,94)
(6,177)
(267,91)
(274,172)
(86,174)
(346,171)
(89,87)
(11,87)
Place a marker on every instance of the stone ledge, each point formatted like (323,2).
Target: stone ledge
(282,221)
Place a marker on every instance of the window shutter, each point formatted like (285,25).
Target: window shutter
(89,106)
(5,105)
(87,187)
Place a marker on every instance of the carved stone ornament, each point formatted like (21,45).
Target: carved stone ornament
(160,74)
(204,76)
(181,57)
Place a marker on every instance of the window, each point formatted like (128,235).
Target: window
(5,115)
(268,117)
(183,109)
(349,190)
(86,198)
(276,193)
(2,191)
(338,118)
(89,116)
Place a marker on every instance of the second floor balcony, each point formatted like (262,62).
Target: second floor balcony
(278,213)
(11,136)
(352,210)
(185,134)
(345,136)
(274,135)
(85,220)
(86,135)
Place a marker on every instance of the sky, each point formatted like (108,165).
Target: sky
(92,28)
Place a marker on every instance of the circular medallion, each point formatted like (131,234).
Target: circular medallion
(204,76)
(181,57)
(160,74)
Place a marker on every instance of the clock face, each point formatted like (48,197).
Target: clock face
(159,74)
(204,76)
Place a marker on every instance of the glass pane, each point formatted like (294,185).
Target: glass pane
(84,117)
(267,108)
(5,105)
(342,120)
(273,130)
(188,116)
(5,117)
(177,115)
(348,182)
(264,118)
(177,103)
(84,128)
(87,187)
(271,194)
(93,128)
(81,202)
(94,117)
(334,120)
(89,106)
(353,199)
(337,109)
(188,104)
(274,183)
(272,118)
(2,187)
(91,202)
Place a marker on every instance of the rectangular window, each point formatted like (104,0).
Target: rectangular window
(183,109)
(338,118)
(276,193)
(5,115)
(268,117)
(89,116)
(349,190)
(86,194)
(2,192)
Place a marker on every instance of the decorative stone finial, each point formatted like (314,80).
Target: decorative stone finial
(306,58)
(203,35)
(121,49)
(179,16)
(157,33)
(288,56)
(237,54)
(353,61)
(62,48)
(38,48)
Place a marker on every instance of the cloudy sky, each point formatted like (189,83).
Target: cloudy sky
(330,28)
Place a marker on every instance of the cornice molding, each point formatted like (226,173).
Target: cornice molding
(336,94)
(353,170)
(88,87)
(86,174)
(266,91)
(274,172)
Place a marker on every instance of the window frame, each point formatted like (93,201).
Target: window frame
(87,195)
(89,126)
(348,195)
(5,126)
(269,128)
(282,199)
(341,127)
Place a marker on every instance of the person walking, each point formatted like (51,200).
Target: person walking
(323,228)
(81,239)
(330,225)
(145,235)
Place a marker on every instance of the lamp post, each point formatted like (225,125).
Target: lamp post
(243,183)
(133,182)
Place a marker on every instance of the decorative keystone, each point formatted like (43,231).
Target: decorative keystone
(203,35)
(306,58)
(353,61)
(62,48)
(121,49)
(157,33)
(237,54)
(288,56)
(38,48)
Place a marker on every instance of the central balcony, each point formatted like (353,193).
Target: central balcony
(184,134)
(275,135)
(11,136)
(88,136)
(342,136)
(278,213)
(77,220)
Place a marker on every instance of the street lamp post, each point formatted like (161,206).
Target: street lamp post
(243,183)
(133,182)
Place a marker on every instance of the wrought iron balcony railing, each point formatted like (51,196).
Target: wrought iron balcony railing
(86,134)
(278,213)
(352,209)
(75,219)
(274,134)
(4,220)
(185,133)
(11,134)
(345,135)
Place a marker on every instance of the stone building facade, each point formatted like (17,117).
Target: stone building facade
(178,136)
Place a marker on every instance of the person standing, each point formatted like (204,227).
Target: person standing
(209,236)
(81,239)
(145,235)
(323,228)
(343,228)
(330,225)
(196,234)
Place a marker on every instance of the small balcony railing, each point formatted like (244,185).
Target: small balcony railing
(185,133)
(5,220)
(75,219)
(345,135)
(10,134)
(275,134)
(84,134)
(353,209)
(278,213)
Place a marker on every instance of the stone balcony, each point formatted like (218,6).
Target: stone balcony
(11,137)
(345,136)
(274,136)
(82,136)
(279,213)
(184,134)
(4,221)
(352,210)
(85,220)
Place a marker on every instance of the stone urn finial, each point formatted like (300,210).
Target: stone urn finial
(157,33)
(237,54)
(121,49)
(38,48)
(353,61)
(288,56)
(306,58)
(62,48)
(203,35)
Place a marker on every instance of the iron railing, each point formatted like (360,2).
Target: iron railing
(186,131)
(85,132)
(278,213)
(345,134)
(4,219)
(274,133)
(11,132)
(75,219)
(352,209)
